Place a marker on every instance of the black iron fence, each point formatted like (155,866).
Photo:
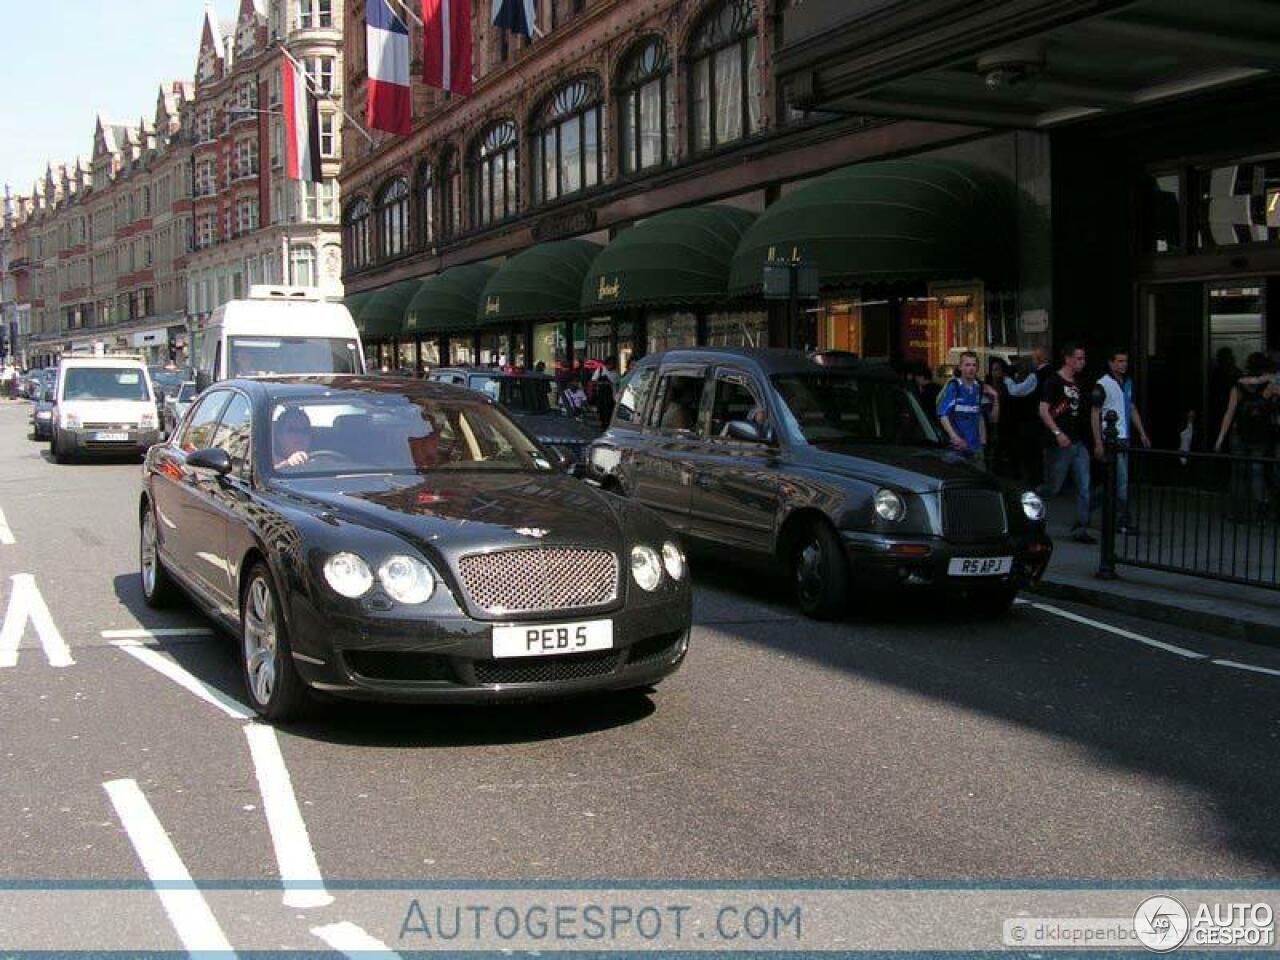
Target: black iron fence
(1203,514)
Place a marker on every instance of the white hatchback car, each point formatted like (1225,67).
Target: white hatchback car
(103,405)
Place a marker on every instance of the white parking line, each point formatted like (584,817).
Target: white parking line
(299,872)
(188,911)
(6,535)
(350,940)
(163,665)
(26,603)
(157,633)
(1127,634)
(1236,665)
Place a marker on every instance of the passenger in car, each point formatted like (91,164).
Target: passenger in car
(291,439)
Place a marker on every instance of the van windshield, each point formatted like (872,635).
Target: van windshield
(105,383)
(270,356)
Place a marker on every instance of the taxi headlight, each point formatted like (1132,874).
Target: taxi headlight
(348,574)
(889,506)
(1032,506)
(407,580)
(646,568)
(673,561)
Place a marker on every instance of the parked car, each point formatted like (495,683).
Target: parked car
(42,417)
(103,404)
(825,467)
(533,401)
(403,540)
(176,404)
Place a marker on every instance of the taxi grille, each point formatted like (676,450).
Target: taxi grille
(969,512)
(546,669)
(540,579)
(112,427)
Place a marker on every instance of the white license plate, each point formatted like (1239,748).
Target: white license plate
(552,639)
(980,566)
(111,436)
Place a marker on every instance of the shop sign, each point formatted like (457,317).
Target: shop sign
(609,289)
(1273,208)
(558,226)
(1034,321)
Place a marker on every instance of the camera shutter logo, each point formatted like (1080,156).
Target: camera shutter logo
(1162,924)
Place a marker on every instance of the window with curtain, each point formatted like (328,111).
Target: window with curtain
(426,205)
(494,170)
(451,194)
(357,234)
(568,151)
(393,219)
(303,258)
(724,82)
(646,107)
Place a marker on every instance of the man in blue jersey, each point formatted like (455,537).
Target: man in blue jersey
(960,410)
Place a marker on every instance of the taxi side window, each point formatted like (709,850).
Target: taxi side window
(234,434)
(635,390)
(679,399)
(199,429)
(734,400)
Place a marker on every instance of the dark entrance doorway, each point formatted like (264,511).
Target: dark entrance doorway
(1173,371)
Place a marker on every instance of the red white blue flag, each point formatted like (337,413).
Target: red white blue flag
(447,37)
(517,16)
(390,100)
(301,126)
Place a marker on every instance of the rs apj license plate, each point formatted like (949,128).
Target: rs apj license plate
(552,639)
(111,436)
(980,566)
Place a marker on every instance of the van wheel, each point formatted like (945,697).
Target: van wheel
(59,455)
(821,572)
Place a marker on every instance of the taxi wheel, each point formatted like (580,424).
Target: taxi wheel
(821,572)
(158,589)
(276,691)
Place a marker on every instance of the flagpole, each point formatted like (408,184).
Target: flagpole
(412,16)
(323,95)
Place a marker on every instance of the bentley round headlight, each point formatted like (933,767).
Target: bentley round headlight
(407,580)
(646,568)
(673,560)
(889,506)
(1032,506)
(348,574)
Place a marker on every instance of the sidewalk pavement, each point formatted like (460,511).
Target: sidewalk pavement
(1225,609)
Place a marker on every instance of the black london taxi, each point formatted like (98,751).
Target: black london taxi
(821,465)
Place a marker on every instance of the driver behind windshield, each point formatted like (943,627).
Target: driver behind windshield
(291,439)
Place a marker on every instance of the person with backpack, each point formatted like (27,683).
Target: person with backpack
(1249,421)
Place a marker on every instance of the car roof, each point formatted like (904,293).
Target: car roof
(490,372)
(311,387)
(107,361)
(773,361)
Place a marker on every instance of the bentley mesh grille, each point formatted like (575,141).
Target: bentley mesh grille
(969,512)
(540,579)
(546,669)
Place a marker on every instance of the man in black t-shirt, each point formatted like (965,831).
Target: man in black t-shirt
(1064,411)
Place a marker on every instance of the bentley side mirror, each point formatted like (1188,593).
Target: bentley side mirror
(214,459)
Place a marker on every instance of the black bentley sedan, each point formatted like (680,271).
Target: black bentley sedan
(825,466)
(383,538)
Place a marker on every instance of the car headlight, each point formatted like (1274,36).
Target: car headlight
(889,506)
(646,568)
(348,574)
(673,560)
(70,421)
(1032,506)
(407,580)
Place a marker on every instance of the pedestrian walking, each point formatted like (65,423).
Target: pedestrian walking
(1064,412)
(1114,394)
(1002,432)
(573,400)
(960,411)
(1249,423)
(1023,411)
(606,380)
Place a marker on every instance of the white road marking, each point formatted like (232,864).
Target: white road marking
(1127,634)
(163,665)
(1236,665)
(348,939)
(188,911)
(157,633)
(299,872)
(6,535)
(25,603)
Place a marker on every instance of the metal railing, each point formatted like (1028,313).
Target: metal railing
(1209,515)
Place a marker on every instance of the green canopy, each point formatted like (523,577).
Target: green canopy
(679,257)
(543,283)
(910,219)
(382,315)
(355,303)
(448,301)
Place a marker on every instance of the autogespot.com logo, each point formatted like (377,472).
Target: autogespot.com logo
(1162,924)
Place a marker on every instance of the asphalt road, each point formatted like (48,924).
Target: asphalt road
(902,744)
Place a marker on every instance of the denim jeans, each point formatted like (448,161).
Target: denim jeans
(1248,481)
(1060,461)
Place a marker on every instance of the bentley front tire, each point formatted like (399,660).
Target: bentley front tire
(276,691)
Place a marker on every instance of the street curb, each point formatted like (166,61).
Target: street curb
(1223,625)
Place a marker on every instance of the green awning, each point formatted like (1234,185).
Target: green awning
(448,301)
(355,303)
(543,283)
(382,315)
(892,220)
(676,258)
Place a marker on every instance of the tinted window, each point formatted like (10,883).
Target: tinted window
(734,400)
(258,356)
(105,383)
(679,397)
(197,432)
(633,395)
(234,432)
(839,408)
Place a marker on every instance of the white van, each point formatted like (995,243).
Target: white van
(103,404)
(279,330)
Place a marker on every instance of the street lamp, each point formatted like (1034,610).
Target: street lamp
(234,115)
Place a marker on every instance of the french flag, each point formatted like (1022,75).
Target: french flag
(301,126)
(447,37)
(390,101)
(516,16)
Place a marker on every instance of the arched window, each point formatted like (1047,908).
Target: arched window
(451,194)
(393,219)
(426,205)
(494,169)
(568,155)
(646,107)
(724,76)
(357,234)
